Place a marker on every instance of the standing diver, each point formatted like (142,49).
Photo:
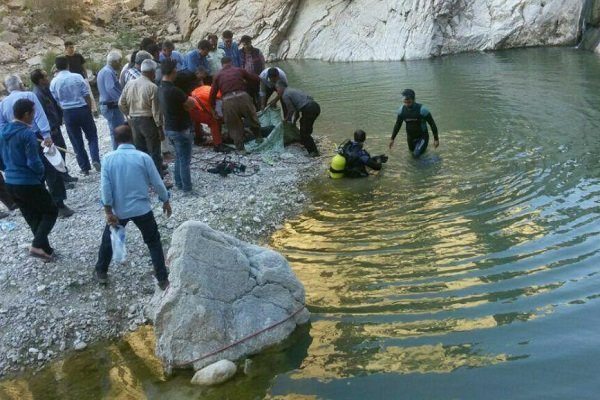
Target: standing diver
(416,117)
(352,160)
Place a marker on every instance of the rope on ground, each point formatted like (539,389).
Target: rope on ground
(240,341)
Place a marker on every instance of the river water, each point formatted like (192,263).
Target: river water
(471,273)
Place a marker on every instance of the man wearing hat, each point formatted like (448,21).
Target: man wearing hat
(139,102)
(416,117)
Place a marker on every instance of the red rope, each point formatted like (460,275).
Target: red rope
(242,340)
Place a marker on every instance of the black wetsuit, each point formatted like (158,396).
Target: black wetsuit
(417,117)
(357,159)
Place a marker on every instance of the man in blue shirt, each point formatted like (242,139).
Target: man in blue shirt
(24,171)
(169,53)
(73,95)
(126,177)
(231,49)
(109,89)
(198,57)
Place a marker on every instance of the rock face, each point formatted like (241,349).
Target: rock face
(222,292)
(342,30)
(590,23)
(8,53)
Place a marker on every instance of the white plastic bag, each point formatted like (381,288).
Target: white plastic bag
(53,156)
(117,239)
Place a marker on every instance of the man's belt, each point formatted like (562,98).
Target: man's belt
(233,94)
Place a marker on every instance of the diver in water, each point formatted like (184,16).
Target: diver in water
(416,117)
(352,160)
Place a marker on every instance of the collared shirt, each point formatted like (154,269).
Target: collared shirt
(230,79)
(130,74)
(69,90)
(194,59)
(108,85)
(233,52)
(140,99)
(40,122)
(51,108)
(253,60)
(126,176)
(295,100)
(266,83)
(214,59)
(175,56)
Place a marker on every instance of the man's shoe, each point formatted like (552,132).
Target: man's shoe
(69,179)
(101,277)
(163,284)
(96,165)
(65,212)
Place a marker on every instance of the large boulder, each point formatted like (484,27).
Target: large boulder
(156,6)
(227,299)
(8,54)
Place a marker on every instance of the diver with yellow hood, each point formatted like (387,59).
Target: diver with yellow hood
(352,159)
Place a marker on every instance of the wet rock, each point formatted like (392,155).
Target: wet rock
(79,345)
(215,374)
(223,289)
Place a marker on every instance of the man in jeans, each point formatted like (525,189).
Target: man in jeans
(140,103)
(174,104)
(20,160)
(74,97)
(109,89)
(126,178)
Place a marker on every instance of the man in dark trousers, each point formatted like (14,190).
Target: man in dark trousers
(20,160)
(126,178)
(297,102)
(237,103)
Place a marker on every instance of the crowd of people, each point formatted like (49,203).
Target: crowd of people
(155,106)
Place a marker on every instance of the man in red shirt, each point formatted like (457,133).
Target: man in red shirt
(231,82)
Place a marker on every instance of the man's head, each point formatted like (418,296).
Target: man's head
(123,135)
(214,40)
(113,58)
(226,61)
(141,56)
(360,136)
(61,63)
(154,49)
(168,68)
(39,77)
(69,47)
(167,48)
(23,110)
(13,83)
(148,69)
(227,38)
(246,41)
(273,75)
(408,97)
(280,87)
(146,42)
(204,47)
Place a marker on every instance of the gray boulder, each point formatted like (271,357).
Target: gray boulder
(227,299)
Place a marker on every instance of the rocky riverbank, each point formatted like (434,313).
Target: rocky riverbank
(49,309)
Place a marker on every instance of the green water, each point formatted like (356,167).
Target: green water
(471,273)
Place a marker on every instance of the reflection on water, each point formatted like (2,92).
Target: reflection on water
(470,273)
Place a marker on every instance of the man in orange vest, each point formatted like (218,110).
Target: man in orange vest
(203,112)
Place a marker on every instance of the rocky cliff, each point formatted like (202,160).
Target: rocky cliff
(353,30)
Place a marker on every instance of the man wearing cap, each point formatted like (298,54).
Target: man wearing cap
(297,102)
(139,102)
(110,91)
(231,82)
(135,72)
(268,79)
(416,117)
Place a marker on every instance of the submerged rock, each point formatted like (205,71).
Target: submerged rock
(215,374)
(227,299)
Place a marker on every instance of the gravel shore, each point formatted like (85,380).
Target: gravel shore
(49,309)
